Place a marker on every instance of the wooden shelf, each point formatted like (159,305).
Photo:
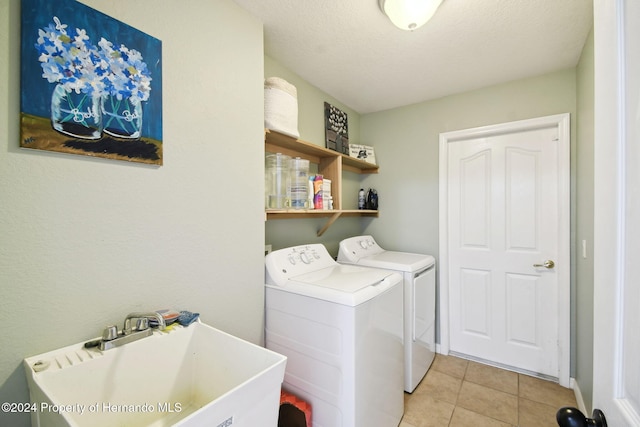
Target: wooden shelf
(331,164)
(279,143)
(318,213)
(313,213)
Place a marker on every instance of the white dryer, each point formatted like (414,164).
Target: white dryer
(419,278)
(341,328)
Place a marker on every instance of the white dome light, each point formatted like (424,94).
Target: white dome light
(409,14)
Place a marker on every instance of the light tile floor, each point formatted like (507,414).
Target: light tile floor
(460,393)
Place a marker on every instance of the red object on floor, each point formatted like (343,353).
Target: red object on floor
(294,412)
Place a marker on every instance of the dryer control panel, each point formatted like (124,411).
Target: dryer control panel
(283,264)
(354,248)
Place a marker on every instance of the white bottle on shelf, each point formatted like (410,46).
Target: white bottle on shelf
(361,201)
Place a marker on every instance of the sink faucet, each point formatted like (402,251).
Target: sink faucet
(150,315)
(111,338)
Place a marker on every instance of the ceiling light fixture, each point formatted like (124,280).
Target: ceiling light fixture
(409,15)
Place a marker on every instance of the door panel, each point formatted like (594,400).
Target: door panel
(475,298)
(475,200)
(522,199)
(522,316)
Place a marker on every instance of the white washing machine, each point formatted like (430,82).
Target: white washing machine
(341,328)
(419,278)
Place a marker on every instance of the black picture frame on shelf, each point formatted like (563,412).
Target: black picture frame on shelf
(336,127)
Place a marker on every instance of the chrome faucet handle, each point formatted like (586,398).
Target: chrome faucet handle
(142,324)
(110,333)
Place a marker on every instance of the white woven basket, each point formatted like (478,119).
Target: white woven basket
(281,106)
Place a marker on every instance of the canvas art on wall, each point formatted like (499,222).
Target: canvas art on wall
(336,129)
(90,84)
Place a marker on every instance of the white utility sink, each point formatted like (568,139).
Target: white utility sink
(192,376)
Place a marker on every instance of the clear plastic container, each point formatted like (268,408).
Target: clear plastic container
(276,182)
(299,183)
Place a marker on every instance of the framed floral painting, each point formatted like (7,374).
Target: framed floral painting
(90,84)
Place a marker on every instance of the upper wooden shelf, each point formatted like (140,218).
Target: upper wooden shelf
(276,142)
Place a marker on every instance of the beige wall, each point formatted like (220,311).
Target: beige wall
(585,225)
(85,241)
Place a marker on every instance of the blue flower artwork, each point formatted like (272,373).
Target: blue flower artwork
(90,84)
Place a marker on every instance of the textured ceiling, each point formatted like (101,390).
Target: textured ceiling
(350,50)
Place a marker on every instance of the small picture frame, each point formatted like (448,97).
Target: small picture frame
(363,152)
(336,129)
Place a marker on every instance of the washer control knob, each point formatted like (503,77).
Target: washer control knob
(292,260)
(364,244)
(304,258)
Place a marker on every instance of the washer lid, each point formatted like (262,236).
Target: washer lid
(399,261)
(348,285)
(344,278)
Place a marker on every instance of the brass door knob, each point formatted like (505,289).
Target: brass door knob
(547,264)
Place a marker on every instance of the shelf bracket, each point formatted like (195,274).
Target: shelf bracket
(329,223)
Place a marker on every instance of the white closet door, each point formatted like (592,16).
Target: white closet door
(507,253)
